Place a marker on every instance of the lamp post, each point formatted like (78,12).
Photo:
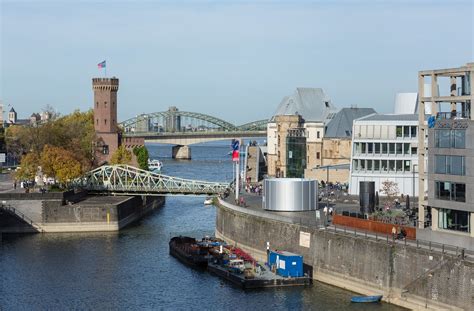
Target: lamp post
(413,184)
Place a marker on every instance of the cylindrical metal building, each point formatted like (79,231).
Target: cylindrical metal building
(367,196)
(290,194)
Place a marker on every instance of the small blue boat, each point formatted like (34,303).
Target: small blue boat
(367,298)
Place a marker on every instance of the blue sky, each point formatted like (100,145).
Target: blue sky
(231,59)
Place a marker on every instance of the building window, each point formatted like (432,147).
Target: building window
(355,165)
(105,104)
(105,149)
(370,148)
(391,147)
(407,166)
(317,134)
(406,131)
(450,219)
(406,149)
(376,165)
(317,155)
(369,165)
(97,104)
(413,131)
(105,121)
(384,148)
(391,165)
(384,165)
(399,148)
(451,165)
(399,131)
(414,150)
(450,139)
(377,148)
(363,147)
(399,164)
(449,191)
(459,139)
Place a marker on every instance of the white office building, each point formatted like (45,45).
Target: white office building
(385,147)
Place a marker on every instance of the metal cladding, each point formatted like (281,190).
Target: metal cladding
(290,194)
(367,196)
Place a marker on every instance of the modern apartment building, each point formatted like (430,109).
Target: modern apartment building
(385,147)
(446,215)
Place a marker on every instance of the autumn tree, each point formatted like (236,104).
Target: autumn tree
(74,133)
(142,157)
(60,164)
(121,156)
(28,167)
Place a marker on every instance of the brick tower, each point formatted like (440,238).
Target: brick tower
(105,117)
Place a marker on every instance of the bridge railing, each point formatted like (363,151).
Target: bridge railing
(125,178)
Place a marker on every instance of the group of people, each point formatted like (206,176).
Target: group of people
(257,189)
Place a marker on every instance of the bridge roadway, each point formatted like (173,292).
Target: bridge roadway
(190,138)
(129,180)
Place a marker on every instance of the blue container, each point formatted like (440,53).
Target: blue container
(287,264)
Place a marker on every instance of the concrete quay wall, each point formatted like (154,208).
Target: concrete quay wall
(407,276)
(98,216)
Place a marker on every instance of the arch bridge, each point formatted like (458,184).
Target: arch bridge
(183,128)
(186,128)
(129,180)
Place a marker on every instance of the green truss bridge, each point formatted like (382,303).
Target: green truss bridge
(186,128)
(129,180)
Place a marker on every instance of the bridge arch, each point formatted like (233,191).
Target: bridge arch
(176,121)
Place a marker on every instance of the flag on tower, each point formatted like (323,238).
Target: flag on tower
(101,65)
(235,150)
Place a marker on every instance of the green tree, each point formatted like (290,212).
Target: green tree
(121,156)
(142,157)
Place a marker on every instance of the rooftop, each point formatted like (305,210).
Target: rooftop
(312,104)
(390,117)
(341,125)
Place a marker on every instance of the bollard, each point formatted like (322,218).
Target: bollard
(376,237)
(430,245)
(442,249)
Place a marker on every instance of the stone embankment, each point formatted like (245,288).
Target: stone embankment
(408,276)
(72,212)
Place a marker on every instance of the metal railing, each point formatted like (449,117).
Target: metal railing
(13,211)
(392,239)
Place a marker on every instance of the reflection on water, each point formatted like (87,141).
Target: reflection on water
(133,270)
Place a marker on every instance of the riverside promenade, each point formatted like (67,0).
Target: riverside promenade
(407,274)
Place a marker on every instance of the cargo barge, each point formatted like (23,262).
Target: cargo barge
(263,279)
(190,251)
(239,268)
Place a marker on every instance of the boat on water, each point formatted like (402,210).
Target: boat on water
(239,268)
(376,298)
(191,251)
(155,165)
(208,201)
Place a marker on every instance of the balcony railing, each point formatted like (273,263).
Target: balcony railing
(454,115)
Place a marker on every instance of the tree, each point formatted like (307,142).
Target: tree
(60,164)
(390,190)
(121,156)
(28,167)
(142,157)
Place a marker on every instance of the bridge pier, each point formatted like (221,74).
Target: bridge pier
(181,152)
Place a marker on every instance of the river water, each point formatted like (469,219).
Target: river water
(132,269)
